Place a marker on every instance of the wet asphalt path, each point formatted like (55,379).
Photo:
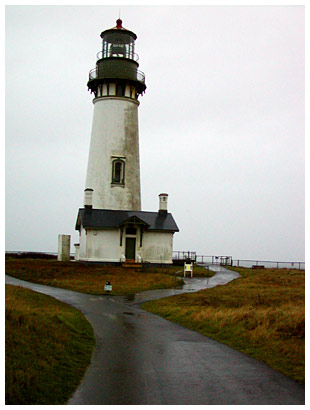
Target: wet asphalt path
(141,358)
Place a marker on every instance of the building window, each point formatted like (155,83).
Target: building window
(130,230)
(141,236)
(121,237)
(118,172)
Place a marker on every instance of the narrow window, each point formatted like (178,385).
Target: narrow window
(121,237)
(120,90)
(118,172)
(141,236)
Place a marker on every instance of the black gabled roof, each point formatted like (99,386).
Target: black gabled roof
(108,219)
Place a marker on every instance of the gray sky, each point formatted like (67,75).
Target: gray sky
(221,124)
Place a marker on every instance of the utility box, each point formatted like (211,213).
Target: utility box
(63,248)
(108,286)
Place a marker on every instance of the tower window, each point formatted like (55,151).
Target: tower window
(118,172)
(120,90)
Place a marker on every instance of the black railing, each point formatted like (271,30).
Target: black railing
(184,255)
(229,261)
(137,74)
(248,263)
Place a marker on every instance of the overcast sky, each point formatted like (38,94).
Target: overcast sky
(221,123)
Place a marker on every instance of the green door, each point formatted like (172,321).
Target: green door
(131,248)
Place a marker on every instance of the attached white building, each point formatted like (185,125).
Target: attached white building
(117,236)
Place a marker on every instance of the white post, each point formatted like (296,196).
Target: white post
(77,251)
(63,248)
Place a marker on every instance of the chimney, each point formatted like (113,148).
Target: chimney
(163,203)
(88,198)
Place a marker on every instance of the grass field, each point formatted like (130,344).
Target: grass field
(92,278)
(48,346)
(261,314)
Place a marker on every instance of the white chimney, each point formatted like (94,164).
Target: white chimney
(163,202)
(88,198)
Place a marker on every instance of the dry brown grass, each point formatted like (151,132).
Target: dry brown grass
(92,278)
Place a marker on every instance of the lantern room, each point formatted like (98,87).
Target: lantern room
(117,64)
(118,42)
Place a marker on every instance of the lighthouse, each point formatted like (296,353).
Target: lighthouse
(112,227)
(113,170)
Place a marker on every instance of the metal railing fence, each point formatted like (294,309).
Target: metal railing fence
(184,255)
(247,263)
(229,261)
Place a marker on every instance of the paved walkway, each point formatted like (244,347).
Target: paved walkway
(141,358)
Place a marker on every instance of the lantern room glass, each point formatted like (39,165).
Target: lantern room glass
(118,44)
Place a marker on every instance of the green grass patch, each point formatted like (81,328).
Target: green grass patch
(261,314)
(92,278)
(48,346)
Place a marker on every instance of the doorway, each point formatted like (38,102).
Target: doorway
(130,252)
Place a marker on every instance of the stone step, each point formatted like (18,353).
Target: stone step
(132,265)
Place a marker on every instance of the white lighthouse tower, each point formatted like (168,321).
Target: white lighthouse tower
(112,227)
(113,165)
